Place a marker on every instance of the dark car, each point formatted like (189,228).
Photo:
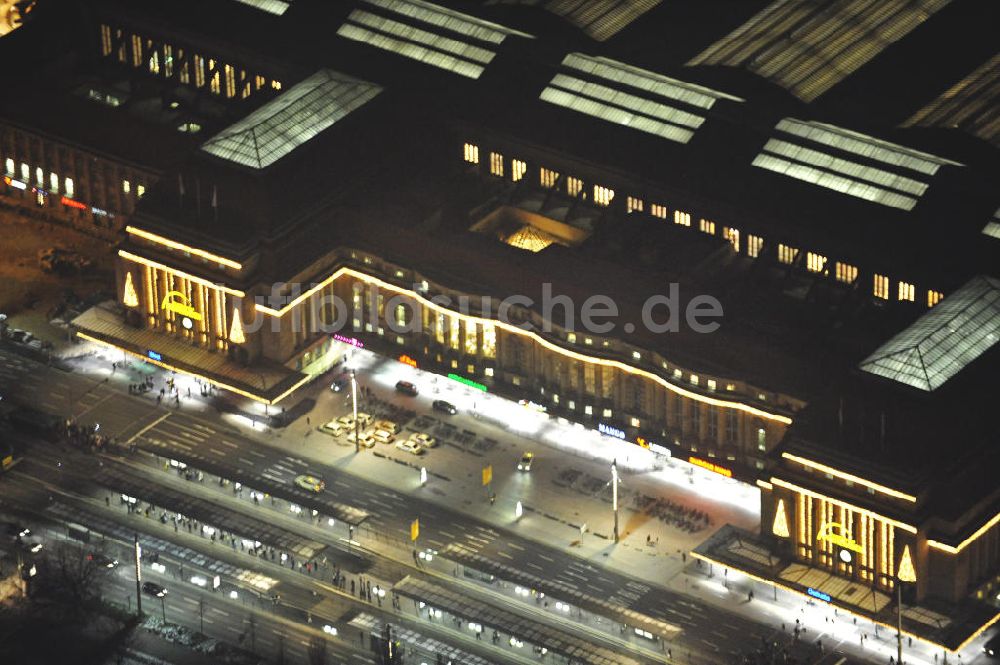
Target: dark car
(16,531)
(992,647)
(340,383)
(101,560)
(153,589)
(406,388)
(444,407)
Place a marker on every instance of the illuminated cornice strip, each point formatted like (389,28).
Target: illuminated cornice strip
(214,382)
(198,280)
(526,333)
(846,476)
(172,244)
(891,627)
(763,484)
(937,544)
(888,520)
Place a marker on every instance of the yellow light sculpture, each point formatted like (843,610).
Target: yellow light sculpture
(907,573)
(131,299)
(780,526)
(236,335)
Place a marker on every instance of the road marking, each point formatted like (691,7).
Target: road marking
(147,428)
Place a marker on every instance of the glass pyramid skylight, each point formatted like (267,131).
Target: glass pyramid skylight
(945,340)
(287,122)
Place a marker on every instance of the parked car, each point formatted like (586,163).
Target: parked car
(365,438)
(444,407)
(333,428)
(524,464)
(364,418)
(309,482)
(15,531)
(425,440)
(20,336)
(383,436)
(407,388)
(30,546)
(410,446)
(153,589)
(340,383)
(388,426)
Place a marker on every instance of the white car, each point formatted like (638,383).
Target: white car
(410,446)
(425,440)
(364,418)
(383,436)
(347,421)
(333,428)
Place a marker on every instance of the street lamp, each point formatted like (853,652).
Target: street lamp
(354,400)
(614,494)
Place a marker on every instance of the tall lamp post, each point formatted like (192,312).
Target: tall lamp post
(138,577)
(354,400)
(614,494)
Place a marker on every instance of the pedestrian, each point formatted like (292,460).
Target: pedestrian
(308,422)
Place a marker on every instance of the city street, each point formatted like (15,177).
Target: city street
(380,491)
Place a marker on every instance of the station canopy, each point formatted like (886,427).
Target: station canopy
(428,33)
(945,340)
(849,162)
(625,95)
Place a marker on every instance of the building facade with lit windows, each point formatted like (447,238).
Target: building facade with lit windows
(422,163)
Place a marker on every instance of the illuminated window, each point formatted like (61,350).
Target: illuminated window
(573,186)
(846,273)
(496,164)
(880,287)
(754,245)
(154,62)
(168,60)
(439,329)
(682,218)
(105,39)
(185,72)
(136,51)
(634,422)
(711,384)
(707,227)
(656,210)
(199,71)
(588,410)
(547,178)
(69,187)
(907,291)
(453,336)
(934,297)
(276,85)
(787,254)
(603,195)
(259,81)
(633,204)
(9,167)
(694,379)
(400,315)
(471,153)
(815,262)
(140,190)
(230,81)
(471,339)
(733,236)
(761,438)
(588,341)
(25,172)
(636,355)
(39,176)
(126,186)
(571,338)
(214,85)
(489,343)
(572,404)
(54,182)
(517,169)
(606,413)
(678,374)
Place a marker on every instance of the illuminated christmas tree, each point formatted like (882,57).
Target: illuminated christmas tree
(907,573)
(130,299)
(236,335)
(780,527)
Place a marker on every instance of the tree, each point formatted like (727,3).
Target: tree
(70,575)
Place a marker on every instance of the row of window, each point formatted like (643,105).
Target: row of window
(172,61)
(52,184)
(815,263)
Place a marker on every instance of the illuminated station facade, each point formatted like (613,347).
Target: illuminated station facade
(405,176)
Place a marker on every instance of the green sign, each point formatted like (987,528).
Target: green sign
(468,382)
